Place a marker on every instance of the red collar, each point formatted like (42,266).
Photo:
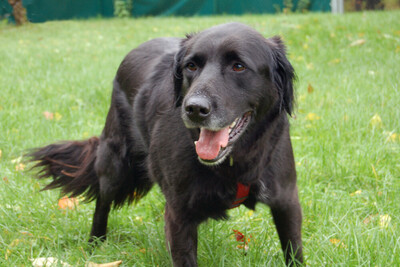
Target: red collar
(241,195)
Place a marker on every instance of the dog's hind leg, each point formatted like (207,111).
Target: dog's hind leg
(122,179)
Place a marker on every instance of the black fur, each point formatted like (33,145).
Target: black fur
(148,137)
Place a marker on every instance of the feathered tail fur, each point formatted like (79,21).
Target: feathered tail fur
(71,165)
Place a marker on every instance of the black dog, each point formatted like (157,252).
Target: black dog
(205,118)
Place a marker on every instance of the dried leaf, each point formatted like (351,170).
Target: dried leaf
(48,115)
(110,264)
(335,61)
(376,121)
(312,117)
(67,203)
(57,116)
(20,167)
(337,242)
(384,220)
(393,137)
(334,241)
(5,179)
(310,89)
(47,262)
(239,236)
(358,192)
(358,42)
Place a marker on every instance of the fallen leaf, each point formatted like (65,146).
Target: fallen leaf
(250,213)
(5,179)
(57,116)
(358,42)
(334,241)
(337,242)
(47,262)
(310,66)
(335,61)
(358,192)
(26,233)
(110,264)
(310,89)
(67,203)
(376,121)
(142,250)
(312,116)
(384,220)
(48,115)
(17,160)
(20,167)
(393,137)
(239,236)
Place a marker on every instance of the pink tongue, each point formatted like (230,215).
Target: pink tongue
(210,143)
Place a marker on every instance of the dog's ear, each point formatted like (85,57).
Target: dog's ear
(178,77)
(282,73)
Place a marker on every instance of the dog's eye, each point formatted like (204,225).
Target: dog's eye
(238,67)
(191,66)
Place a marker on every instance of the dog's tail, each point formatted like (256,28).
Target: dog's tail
(71,165)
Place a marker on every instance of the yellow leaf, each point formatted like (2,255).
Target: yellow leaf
(358,192)
(68,203)
(20,167)
(334,241)
(310,66)
(250,213)
(335,61)
(110,264)
(312,116)
(310,89)
(48,115)
(305,46)
(398,49)
(384,220)
(393,137)
(57,116)
(337,242)
(15,242)
(376,121)
(358,42)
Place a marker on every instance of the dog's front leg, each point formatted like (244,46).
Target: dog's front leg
(287,217)
(181,238)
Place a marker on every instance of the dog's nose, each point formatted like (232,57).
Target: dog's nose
(197,108)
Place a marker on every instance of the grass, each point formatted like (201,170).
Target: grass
(345,136)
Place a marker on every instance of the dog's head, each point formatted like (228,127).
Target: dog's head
(227,77)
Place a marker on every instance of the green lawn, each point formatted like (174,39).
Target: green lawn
(346,138)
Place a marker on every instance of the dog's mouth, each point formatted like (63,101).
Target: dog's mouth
(214,146)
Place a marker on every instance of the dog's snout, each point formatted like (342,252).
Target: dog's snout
(197,108)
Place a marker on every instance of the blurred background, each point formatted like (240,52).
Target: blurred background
(21,11)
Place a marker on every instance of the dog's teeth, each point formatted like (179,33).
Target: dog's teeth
(195,142)
(233,124)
